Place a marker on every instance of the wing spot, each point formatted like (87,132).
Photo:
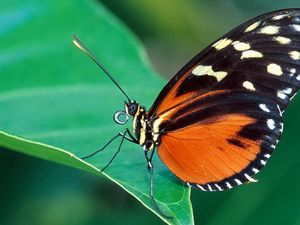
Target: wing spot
(298,77)
(279,110)
(281,127)
(201,70)
(271,124)
(274,69)
(292,72)
(273,146)
(222,43)
(255,170)
(294,55)
(249,178)
(238,181)
(209,187)
(281,95)
(293,95)
(248,85)
(228,185)
(219,188)
(269,30)
(282,40)
(279,17)
(267,156)
(264,107)
(200,186)
(296,27)
(263,162)
(241,46)
(252,26)
(287,91)
(251,54)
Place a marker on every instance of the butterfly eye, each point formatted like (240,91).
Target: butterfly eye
(121,117)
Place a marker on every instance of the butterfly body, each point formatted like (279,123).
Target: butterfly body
(146,131)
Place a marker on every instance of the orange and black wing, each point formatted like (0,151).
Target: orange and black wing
(261,54)
(219,119)
(221,140)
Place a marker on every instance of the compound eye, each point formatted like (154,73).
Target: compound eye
(132,109)
(121,117)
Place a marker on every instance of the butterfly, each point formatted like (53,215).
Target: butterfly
(218,120)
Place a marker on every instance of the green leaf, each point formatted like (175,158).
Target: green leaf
(59,107)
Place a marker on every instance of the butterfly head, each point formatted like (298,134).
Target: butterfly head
(132,107)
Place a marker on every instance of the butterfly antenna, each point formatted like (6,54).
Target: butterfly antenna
(84,49)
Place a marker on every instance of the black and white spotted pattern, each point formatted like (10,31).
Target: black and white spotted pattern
(261,55)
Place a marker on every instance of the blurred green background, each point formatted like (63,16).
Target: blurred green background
(37,192)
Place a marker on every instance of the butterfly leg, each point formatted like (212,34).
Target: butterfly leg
(123,135)
(151,169)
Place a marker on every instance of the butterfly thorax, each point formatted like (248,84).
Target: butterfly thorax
(144,129)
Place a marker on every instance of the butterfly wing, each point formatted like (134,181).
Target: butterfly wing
(219,118)
(262,55)
(223,140)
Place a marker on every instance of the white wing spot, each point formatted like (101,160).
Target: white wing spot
(282,40)
(281,95)
(287,91)
(298,77)
(271,124)
(269,30)
(267,156)
(209,187)
(249,178)
(220,189)
(199,186)
(294,55)
(263,162)
(241,46)
(274,69)
(281,127)
(292,72)
(296,27)
(248,85)
(264,107)
(228,185)
(222,43)
(201,70)
(293,95)
(238,181)
(252,27)
(279,17)
(251,54)
(273,146)
(255,170)
(279,110)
